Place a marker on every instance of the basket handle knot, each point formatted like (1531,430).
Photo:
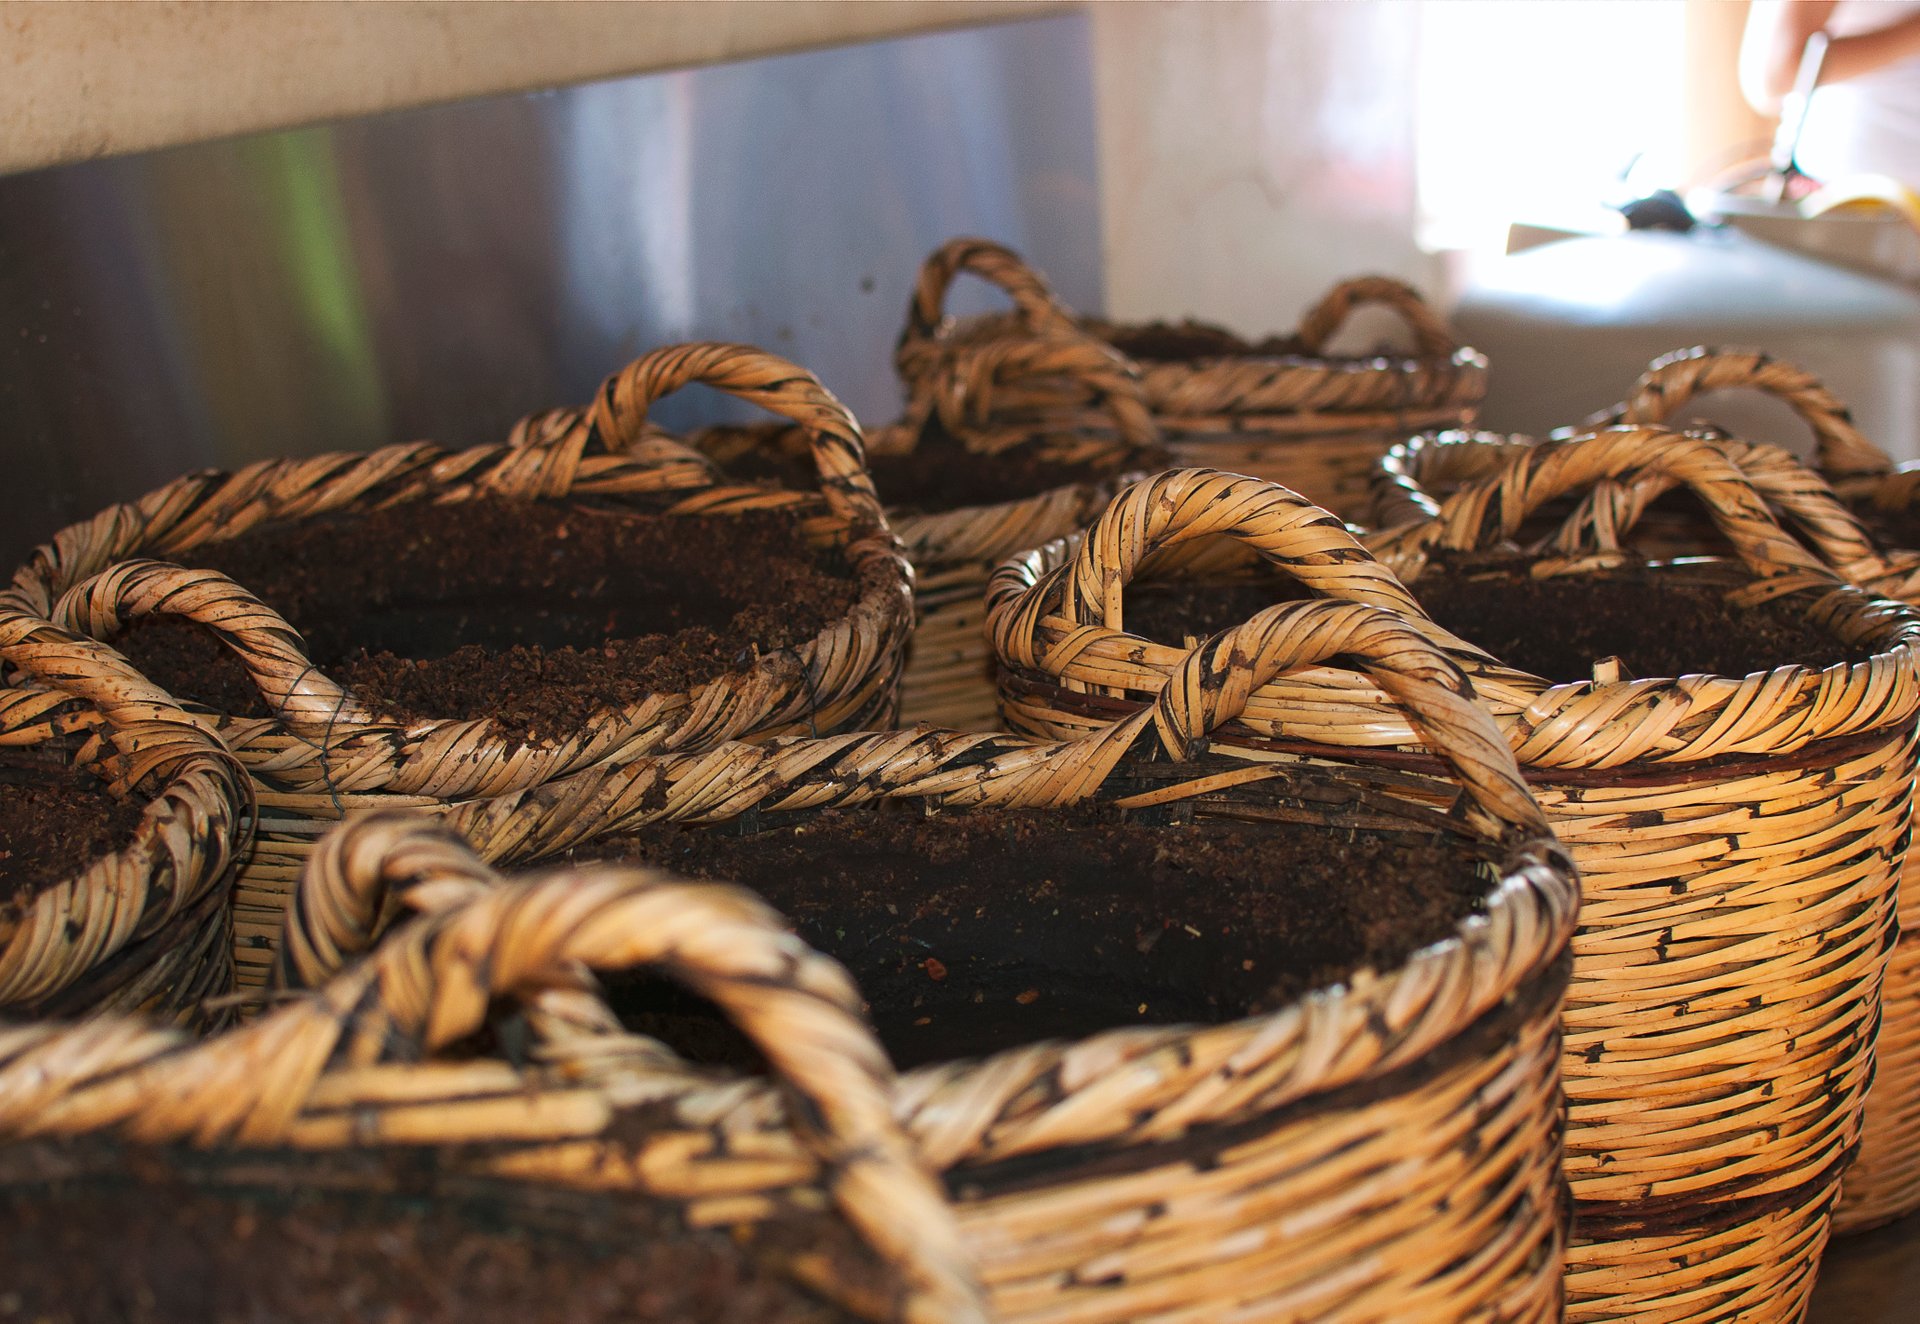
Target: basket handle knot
(1492,510)
(1162,523)
(1049,377)
(928,327)
(266,645)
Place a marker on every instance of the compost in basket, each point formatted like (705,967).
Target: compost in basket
(1672,620)
(971,933)
(54,822)
(534,613)
(319,1239)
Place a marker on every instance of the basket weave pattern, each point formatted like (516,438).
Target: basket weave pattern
(1884,1181)
(323,752)
(1301,417)
(1349,1157)
(1738,841)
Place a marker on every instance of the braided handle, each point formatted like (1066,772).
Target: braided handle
(1430,332)
(1034,301)
(266,646)
(617,418)
(989,382)
(1492,510)
(1673,380)
(1181,506)
(1217,677)
(1414,476)
(437,980)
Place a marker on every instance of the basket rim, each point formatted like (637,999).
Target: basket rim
(196,823)
(1028,631)
(174,517)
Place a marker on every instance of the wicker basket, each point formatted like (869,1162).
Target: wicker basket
(1884,1182)
(1381,1149)
(324,752)
(1738,841)
(378,1063)
(146,927)
(1288,411)
(948,679)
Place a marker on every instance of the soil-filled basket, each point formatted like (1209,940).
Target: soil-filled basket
(967,482)
(1148,1102)
(1884,1181)
(1738,837)
(318,748)
(1284,408)
(123,824)
(445,1132)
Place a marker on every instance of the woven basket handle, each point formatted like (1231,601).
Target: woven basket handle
(1218,676)
(1486,513)
(437,981)
(965,399)
(800,1008)
(1673,380)
(617,417)
(267,647)
(1796,494)
(1034,302)
(1158,514)
(1430,333)
(1214,681)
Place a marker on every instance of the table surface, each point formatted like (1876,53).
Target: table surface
(1873,1278)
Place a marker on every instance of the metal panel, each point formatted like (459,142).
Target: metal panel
(437,273)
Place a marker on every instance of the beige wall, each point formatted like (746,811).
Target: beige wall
(1252,154)
(80,80)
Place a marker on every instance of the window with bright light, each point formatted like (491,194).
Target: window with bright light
(1535,110)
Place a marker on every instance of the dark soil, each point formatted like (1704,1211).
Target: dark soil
(1177,613)
(52,826)
(972,933)
(1660,623)
(1176,342)
(169,1253)
(941,474)
(537,614)
(1890,528)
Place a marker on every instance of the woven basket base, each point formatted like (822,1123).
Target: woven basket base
(1759,1268)
(1884,1182)
(948,681)
(1430,1193)
(1332,467)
